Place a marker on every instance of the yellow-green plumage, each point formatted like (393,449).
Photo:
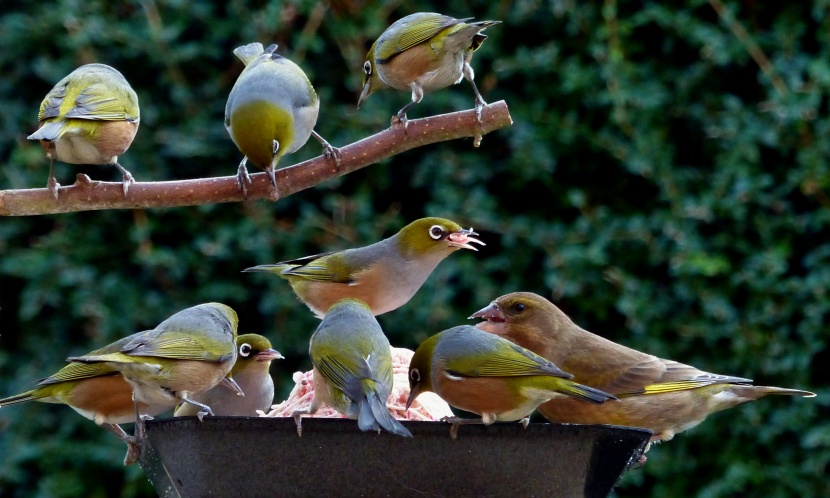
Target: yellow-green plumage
(384,275)
(271,110)
(423,52)
(89,117)
(490,376)
(353,368)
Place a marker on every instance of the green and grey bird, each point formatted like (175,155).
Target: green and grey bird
(384,275)
(352,368)
(421,53)
(89,117)
(188,353)
(271,111)
(484,374)
(254,356)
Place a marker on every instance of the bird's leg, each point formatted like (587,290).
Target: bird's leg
(272,168)
(469,75)
(52,183)
(205,409)
(127,178)
(458,422)
(311,410)
(525,421)
(132,448)
(243,179)
(328,151)
(417,95)
(232,385)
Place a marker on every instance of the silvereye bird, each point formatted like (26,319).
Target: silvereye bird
(188,353)
(271,111)
(424,52)
(96,391)
(90,117)
(352,368)
(662,395)
(384,275)
(490,376)
(254,356)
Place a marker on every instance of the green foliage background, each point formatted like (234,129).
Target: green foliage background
(654,184)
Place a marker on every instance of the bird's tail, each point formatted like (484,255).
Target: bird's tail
(579,391)
(49,131)
(275,268)
(755,392)
(373,413)
(17,398)
(251,51)
(101,358)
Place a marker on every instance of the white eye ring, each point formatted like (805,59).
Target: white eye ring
(245,350)
(367,68)
(415,375)
(436,232)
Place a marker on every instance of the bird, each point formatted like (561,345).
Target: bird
(384,275)
(254,356)
(484,374)
(90,117)
(190,352)
(662,395)
(271,111)
(97,392)
(352,368)
(424,52)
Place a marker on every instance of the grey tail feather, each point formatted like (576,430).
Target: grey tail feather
(755,392)
(365,420)
(590,394)
(263,268)
(17,398)
(82,359)
(384,418)
(49,131)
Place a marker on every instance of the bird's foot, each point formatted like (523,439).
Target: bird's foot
(133,452)
(201,414)
(298,420)
(400,119)
(243,179)
(330,152)
(126,179)
(525,422)
(53,186)
(480,103)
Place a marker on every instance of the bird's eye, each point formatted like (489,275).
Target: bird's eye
(436,232)
(367,68)
(415,375)
(245,350)
(518,307)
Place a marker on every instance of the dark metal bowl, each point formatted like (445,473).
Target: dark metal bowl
(253,457)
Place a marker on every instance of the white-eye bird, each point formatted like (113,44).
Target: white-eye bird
(271,111)
(384,275)
(250,372)
(188,353)
(352,368)
(89,117)
(421,53)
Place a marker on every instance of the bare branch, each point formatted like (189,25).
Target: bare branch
(88,195)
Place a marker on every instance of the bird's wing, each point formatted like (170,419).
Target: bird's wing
(51,105)
(346,377)
(656,375)
(426,28)
(318,268)
(98,102)
(175,346)
(77,371)
(508,361)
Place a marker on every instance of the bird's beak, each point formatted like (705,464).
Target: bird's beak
(462,239)
(269,355)
(232,385)
(491,313)
(364,94)
(413,393)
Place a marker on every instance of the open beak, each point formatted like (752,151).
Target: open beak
(413,393)
(491,313)
(269,355)
(462,239)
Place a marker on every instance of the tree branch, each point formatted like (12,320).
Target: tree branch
(88,195)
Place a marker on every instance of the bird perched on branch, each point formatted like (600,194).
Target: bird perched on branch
(384,275)
(90,117)
(271,111)
(422,53)
(352,368)
(490,376)
(250,372)
(662,395)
